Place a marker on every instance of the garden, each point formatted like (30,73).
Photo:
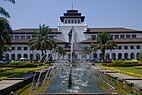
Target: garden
(129,67)
(17,68)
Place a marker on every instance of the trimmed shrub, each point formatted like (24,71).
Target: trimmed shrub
(16,63)
(126,63)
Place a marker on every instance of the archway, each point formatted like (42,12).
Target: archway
(37,57)
(119,55)
(13,57)
(138,55)
(18,56)
(7,56)
(31,57)
(132,55)
(95,56)
(113,56)
(125,55)
(25,56)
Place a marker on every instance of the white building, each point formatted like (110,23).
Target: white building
(129,41)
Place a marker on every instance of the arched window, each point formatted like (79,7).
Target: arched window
(13,56)
(125,55)
(95,55)
(7,56)
(25,56)
(132,55)
(113,56)
(138,55)
(101,56)
(31,57)
(107,56)
(18,56)
(119,55)
(37,57)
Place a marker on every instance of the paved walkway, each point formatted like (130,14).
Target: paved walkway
(134,82)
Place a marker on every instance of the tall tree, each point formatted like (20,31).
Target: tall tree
(5,32)
(60,51)
(41,40)
(104,42)
(3,11)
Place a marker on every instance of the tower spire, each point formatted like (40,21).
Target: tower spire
(72,4)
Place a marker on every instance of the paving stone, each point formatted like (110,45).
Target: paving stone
(8,83)
(137,84)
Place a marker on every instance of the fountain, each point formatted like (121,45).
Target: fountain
(75,77)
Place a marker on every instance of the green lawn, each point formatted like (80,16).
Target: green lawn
(6,72)
(133,71)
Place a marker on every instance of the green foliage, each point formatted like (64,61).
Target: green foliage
(140,56)
(126,63)
(16,63)
(104,41)
(41,40)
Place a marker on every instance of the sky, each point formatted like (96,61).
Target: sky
(98,13)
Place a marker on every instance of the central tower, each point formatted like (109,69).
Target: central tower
(72,19)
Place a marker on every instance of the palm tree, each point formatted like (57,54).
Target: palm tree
(60,51)
(86,50)
(5,32)
(140,56)
(41,40)
(3,11)
(104,41)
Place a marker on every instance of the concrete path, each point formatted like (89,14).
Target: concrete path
(134,82)
(7,83)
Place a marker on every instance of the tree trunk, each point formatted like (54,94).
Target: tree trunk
(103,54)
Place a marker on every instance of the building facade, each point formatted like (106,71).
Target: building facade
(129,41)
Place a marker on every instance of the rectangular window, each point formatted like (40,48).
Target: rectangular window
(133,36)
(125,47)
(93,37)
(68,21)
(71,21)
(78,21)
(138,47)
(122,36)
(13,48)
(22,37)
(116,36)
(16,37)
(65,21)
(128,36)
(28,37)
(25,48)
(131,47)
(75,21)
(119,47)
(18,48)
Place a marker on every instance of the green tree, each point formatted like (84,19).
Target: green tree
(140,56)
(104,42)
(41,40)
(3,11)
(86,50)
(61,52)
(5,32)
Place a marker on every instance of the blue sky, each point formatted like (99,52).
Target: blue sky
(99,13)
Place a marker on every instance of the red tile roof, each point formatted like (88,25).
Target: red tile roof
(32,30)
(111,30)
(118,40)
(25,41)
